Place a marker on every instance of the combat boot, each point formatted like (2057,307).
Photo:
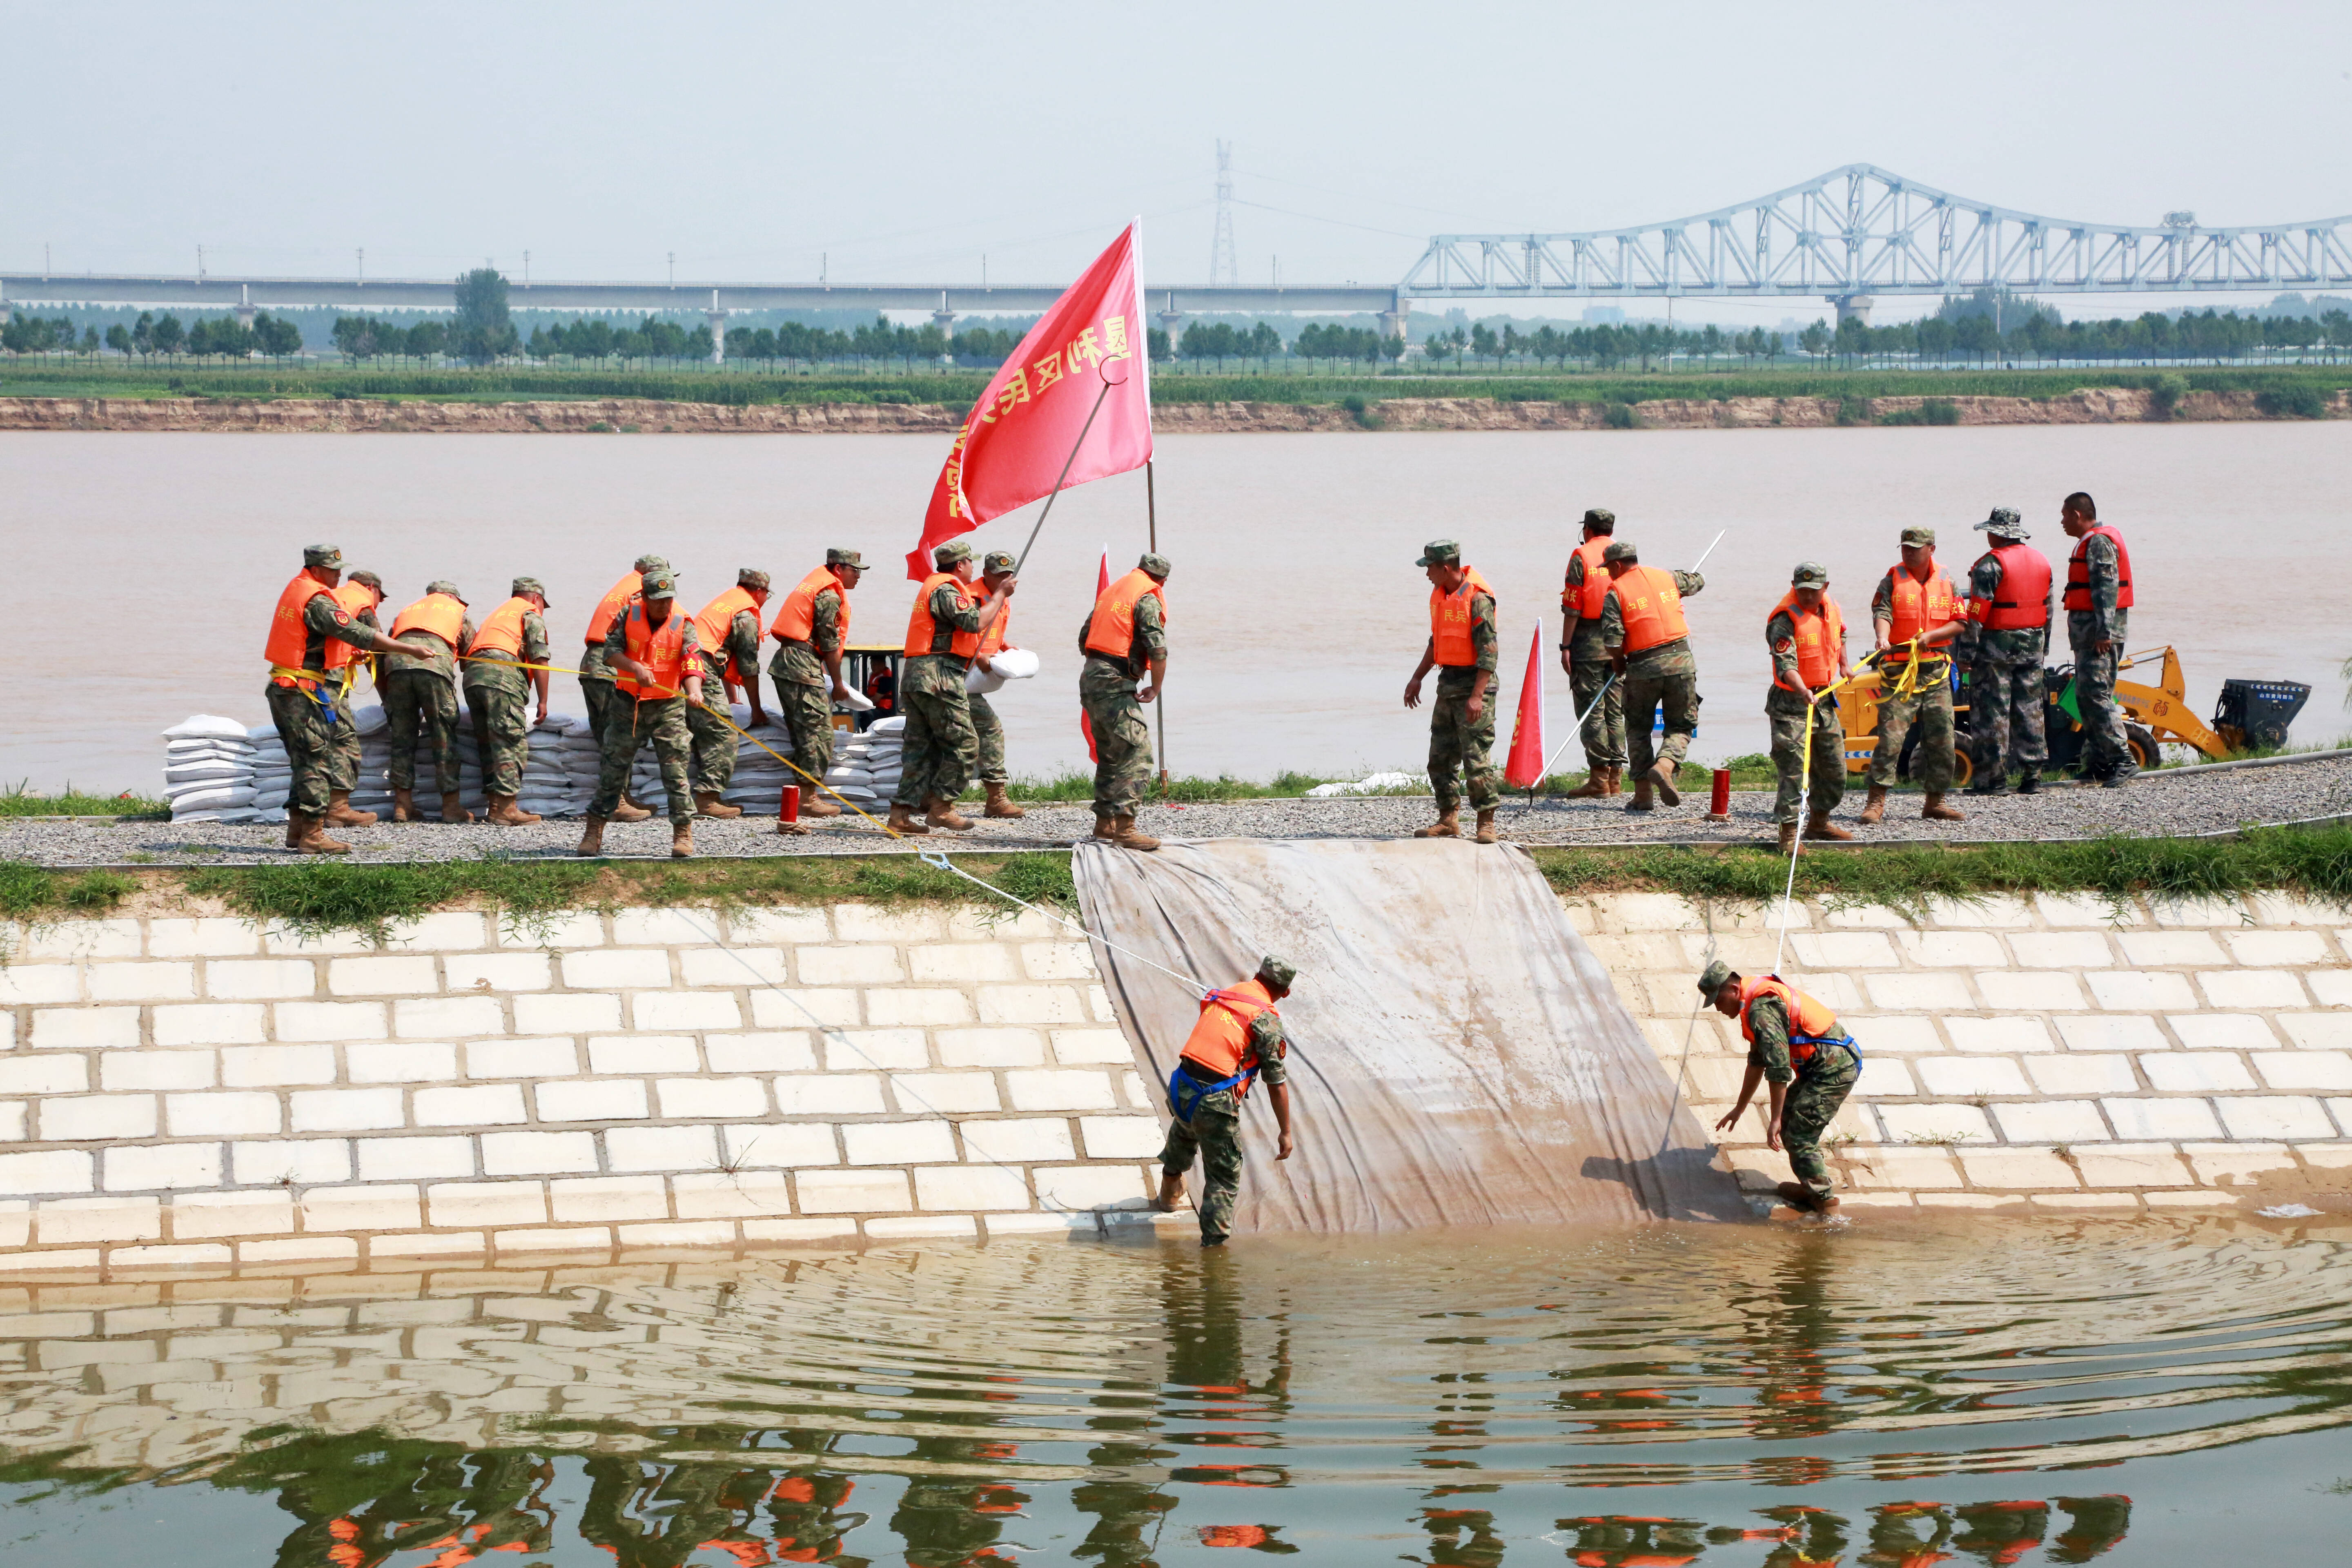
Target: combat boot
(293,830)
(1105,827)
(1124,835)
(681,841)
(340,815)
(1989,783)
(1937,811)
(940,811)
(1789,844)
(707,803)
(2029,781)
(314,840)
(1644,798)
(1663,772)
(592,837)
(1821,827)
(453,812)
(1486,834)
(403,806)
(1595,786)
(817,806)
(2122,774)
(1616,781)
(902,820)
(505,813)
(1874,810)
(1447,825)
(629,810)
(1000,804)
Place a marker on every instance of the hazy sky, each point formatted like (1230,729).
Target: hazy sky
(903,142)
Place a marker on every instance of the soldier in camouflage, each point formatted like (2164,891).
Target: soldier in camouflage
(498,692)
(1812,772)
(995,571)
(597,689)
(420,694)
(2005,694)
(633,722)
(807,673)
(1111,693)
(363,595)
(302,707)
(1462,724)
(1811,1077)
(1915,670)
(1662,676)
(2096,621)
(1584,658)
(940,747)
(733,660)
(1207,1118)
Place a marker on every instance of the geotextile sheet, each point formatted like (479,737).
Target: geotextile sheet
(1458,1055)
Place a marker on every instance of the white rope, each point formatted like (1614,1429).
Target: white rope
(1574,731)
(938,858)
(1797,839)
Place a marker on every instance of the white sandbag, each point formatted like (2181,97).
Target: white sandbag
(179,751)
(370,720)
(207,726)
(211,768)
(239,813)
(205,786)
(1006,664)
(211,800)
(274,816)
(262,734)
(857,701)
(893,725)
(271,799)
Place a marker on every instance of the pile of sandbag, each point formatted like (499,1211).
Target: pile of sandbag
(559,776)
(208,771)
(761,775)
(866,766)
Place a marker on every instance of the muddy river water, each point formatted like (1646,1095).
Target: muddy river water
(1297,611)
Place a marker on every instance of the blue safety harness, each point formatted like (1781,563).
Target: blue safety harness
(1186,1092)
(1809,1063)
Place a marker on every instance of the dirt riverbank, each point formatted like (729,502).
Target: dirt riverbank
(2093,406)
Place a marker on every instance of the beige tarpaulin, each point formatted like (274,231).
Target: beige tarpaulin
(1459,1055)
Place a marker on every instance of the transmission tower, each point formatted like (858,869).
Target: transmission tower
(1225,272)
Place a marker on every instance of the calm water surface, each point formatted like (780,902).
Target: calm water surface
(2157,1392)
(1296,612)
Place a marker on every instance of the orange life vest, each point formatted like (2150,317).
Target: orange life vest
(2078,571)
(436,612)
(620,593)
(502,633)
(353,597)
(1918,608)
(1110,629)
(1220,1040)
(1652,606)
(288,642)
(797,619)
(2024,591)
(1585,597)
(1810,1021)
(992,637)
(1820,634)
(715,620)
(1449,620)
(922,629)
(662,651)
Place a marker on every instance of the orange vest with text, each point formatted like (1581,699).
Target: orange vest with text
(1220,1040)
(797,619)
(353,597)
(921,629)
(1651,607)
(1111,628)
(1449,620)
(620,593)
(1807,1016)
(502,632)
(1917,609)
(662,651)
(1585,597)
(2078,571)
(992,638)
(436,612)
(719,616)
(1820,634)
(289,636)
(2024,591)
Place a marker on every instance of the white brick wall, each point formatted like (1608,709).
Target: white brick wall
(182,1091)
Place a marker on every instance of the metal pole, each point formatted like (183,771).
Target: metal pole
(1159,699)
(1064,474)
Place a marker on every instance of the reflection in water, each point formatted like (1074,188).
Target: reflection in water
(1775,1398)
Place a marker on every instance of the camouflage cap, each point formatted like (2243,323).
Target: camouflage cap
(1440,552)
(844,558)
(1274,972)
(2004,522)
(755,580)
(523,585)
(325,557)
(1810,574)
(1620,549)
(661,583)
(1921,536)
(1601,518)
(368,580)
(997,561)
(948,554)
(443,586)
(1711,978)
(1157,565)
(652,563)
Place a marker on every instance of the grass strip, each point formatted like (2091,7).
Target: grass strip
(17,800)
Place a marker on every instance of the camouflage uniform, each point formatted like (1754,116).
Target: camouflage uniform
(422,693)
(2105,751)
(1665,675)
(1602,733)
(1812,1099)
(715,740)
(596,690)
(804,690)
(498,691)
(1106,695)
(940,747)
(2005,697)
(988,732)
(1929,706)
(1785,709)
(309,733)
(658,721)
(343,765)
(1461,748)
(1215,1132)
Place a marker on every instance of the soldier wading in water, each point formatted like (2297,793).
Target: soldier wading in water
(1790,1037)
(1238,1038)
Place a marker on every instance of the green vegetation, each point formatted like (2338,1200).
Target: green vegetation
(482,330)
(1076,786)
(16,801)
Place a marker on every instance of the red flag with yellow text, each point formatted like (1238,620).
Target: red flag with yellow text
(1524,770)
(1017,437)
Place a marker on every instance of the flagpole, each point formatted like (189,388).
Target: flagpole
(1081,441)
(1151,517)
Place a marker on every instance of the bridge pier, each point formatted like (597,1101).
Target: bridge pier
(945,319)
(718,320)
(1396,318)
(245,306)
(1854,306)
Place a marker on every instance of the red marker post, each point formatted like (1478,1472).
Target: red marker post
(1719,806)
(788,810)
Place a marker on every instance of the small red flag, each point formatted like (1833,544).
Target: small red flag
(1525,768)
(1102,586)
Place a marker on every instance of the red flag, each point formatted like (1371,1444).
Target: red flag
(1017,437)
(1525,768)
(1102,586)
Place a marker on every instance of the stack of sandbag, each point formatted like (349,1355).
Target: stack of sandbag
(867,767)
(273,776)
(373,792)
(761,775)
(550,786)
(580,757)
(208,768)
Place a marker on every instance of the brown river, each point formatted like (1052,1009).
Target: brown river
(1296,612)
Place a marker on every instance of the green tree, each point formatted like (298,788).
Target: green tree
(118,337)
(169,337)
(482,330)
(1815,338)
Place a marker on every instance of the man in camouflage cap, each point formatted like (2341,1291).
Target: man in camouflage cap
(1587,662)
(1805,635)
(2009,608)
(595,679)
(1462,647)
(1643,629)
(420,698)
(995,571)
(809,632)
(498,688)
(306,623)
(942,634)
(361,593)
(2098,599)
(1915,615)
(656,657)
(1238,1038)
(730,629)
(1124,638)
(1796,1044)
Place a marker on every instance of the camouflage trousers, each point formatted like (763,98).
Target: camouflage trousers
(1461,748)
(1806,1113)
(2104,747)
(940,747)
(2005,709)
(344,758)
(1644,696)
(419,702)
(1827,785)
(1214,1133)
(1122,738)
(498,696)
(309,748)
(711,768)
(1602,733)
(1930,708)
(807,712)
(597,694)
(629,727)
(988,731)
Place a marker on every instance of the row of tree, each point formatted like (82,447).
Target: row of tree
(2037,334)
(224,338)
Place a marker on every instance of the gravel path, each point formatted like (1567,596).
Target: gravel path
(2172,802)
